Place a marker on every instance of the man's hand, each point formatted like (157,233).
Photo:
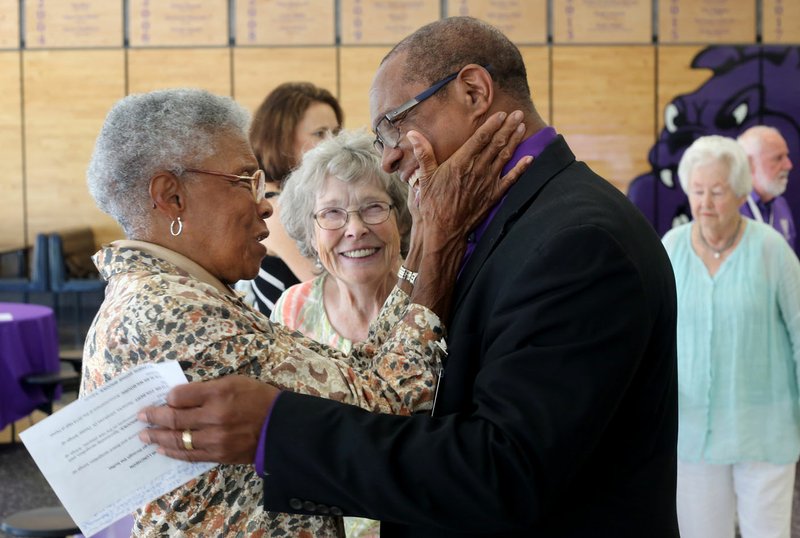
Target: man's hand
(455,196)
(225,417)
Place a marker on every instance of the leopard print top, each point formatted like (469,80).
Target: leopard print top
(155,310)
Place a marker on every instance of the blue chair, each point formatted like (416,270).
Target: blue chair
(61,282)
(38,281)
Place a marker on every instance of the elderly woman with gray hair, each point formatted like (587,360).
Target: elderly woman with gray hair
(738,285)
(350,216)
(176,171)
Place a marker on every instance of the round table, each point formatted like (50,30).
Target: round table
(50,522)
(28,345)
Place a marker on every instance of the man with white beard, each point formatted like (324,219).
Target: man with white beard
(768,154)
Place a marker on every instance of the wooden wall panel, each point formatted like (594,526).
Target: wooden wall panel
(707,21)
(378,22)
(285,22)
(537,64)
(59,24)
(610,21)
(358,67)
(603,102)
(181,24)
(12,215)
(781,21)
(609,100)
(523,21)
(67,96)
(257,71)
(9,24)
(676,76)
(153,69)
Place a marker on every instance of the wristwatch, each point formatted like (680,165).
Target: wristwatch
(405,274)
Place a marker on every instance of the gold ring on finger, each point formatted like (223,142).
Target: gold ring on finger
(186,437)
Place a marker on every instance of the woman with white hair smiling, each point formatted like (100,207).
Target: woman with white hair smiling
(738,285)
(350,216)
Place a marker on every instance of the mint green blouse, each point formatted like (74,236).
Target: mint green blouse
(738,350)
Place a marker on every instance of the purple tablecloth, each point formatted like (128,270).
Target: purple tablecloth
(121,529)
(28,345)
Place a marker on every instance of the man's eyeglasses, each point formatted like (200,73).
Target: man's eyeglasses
(387,134)
(333,218)
(257,182)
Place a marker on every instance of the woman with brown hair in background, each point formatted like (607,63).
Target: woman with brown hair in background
(292,119)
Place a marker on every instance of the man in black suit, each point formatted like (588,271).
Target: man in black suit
(556,414)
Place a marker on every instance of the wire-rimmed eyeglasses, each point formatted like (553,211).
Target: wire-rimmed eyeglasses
(333,218)
(257,182)
(387,134)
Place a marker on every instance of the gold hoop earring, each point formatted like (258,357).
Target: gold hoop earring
(172,228)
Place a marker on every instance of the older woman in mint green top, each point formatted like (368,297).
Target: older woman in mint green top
(738,350)
(738,284)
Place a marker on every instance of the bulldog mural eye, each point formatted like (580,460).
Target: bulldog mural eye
(666,178)
(740,113)
(750,85)
(672,117)
(737,109)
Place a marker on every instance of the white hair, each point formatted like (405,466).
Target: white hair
(349,157)
(720,149)
(753,138)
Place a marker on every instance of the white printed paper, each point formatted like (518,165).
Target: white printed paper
(91,455)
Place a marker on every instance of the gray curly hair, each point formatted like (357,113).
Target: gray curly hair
(349,157)
(146,133)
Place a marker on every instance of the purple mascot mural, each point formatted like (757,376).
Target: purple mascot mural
(751,85)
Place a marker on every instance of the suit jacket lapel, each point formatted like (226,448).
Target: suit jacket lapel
(552,160)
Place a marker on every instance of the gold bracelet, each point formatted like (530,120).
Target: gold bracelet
(407,275)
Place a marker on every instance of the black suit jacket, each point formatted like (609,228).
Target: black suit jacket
(557,413)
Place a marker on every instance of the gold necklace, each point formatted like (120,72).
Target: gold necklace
(729,244)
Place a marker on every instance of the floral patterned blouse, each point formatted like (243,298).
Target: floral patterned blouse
(162,306)
(302,307)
